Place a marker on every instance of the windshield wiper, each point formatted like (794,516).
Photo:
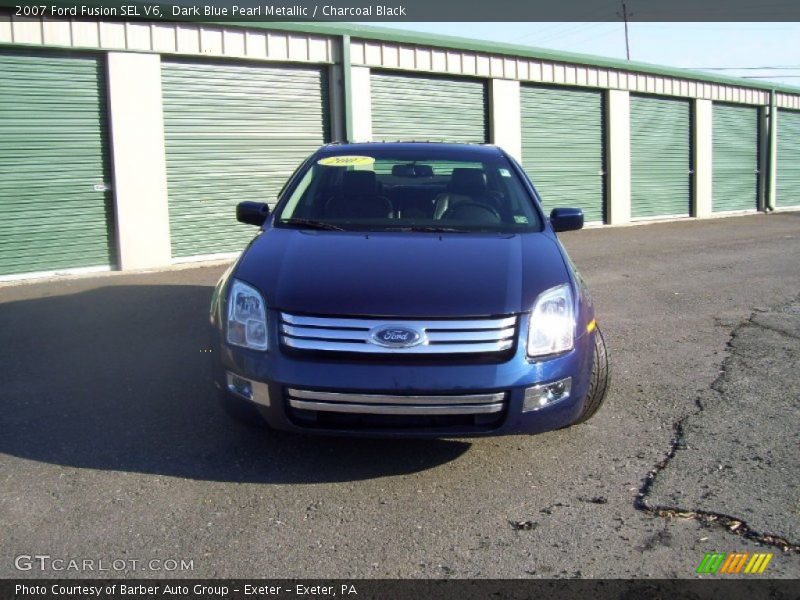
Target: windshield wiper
(312,224)
(436,229)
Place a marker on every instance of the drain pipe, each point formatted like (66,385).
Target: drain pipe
(772,153)
(347,84)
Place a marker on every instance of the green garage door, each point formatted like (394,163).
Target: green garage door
(660,157)
(562,147)
(234,133)
(788,179)
(407,107)
(735,133)
(55,210)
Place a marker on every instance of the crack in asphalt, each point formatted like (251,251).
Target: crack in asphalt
(776,330)
(730,523)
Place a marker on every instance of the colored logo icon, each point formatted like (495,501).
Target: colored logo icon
(732,563)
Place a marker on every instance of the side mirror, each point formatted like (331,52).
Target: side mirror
(252,213)
(566,219)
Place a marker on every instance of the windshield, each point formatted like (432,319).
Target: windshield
(399,193)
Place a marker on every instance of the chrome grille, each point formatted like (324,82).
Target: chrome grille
(438,336)
(388,404)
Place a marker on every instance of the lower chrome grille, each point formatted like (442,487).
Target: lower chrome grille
(431,336)
(387,404)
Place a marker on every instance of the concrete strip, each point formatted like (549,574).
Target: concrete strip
(505,116)
(140,170)
(703,158)
(618,156)
(361,98)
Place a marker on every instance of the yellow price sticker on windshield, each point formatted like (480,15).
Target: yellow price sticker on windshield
(345,161)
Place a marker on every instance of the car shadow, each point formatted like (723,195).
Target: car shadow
(118,378)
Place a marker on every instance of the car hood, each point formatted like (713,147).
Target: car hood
(401,274)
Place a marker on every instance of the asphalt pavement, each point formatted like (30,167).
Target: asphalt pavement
(112,446)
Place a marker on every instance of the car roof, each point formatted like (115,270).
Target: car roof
(405,149)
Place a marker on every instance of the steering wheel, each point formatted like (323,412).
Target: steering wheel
(472,211)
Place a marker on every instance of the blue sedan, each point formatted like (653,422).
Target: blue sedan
(408,289)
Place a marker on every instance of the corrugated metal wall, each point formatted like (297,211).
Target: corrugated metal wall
(788,180)
(563,147)
(235,130)
(408,107)
(234,133)
(53,152)
(660,157)
(735,157)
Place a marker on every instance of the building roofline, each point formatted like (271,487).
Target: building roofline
(385,34)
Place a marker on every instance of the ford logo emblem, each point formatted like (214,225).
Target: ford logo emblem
(395,336)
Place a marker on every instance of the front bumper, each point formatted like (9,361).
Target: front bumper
(287,385)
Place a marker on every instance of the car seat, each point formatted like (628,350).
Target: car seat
(358,198)
(467,186)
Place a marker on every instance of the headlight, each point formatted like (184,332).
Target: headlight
(247,317)
(552,324)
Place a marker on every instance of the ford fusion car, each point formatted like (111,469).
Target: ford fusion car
(408,289)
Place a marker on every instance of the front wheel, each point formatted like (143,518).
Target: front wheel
(601,378)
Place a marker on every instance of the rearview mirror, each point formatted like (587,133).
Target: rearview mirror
(412,170)
(252,213)
(566,219)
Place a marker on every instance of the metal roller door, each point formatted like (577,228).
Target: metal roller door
(562,147)
(735,153)
(234,133)
(408,107)
(55,210)
(660,157)
(788,178)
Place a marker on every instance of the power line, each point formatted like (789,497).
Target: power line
(596,35)
(747,68)
(566,30)
(581,27)
(549,32)
(597,14)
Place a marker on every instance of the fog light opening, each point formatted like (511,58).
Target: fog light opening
(540,396)
(239,385)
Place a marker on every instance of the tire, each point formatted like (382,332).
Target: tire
(601,379)
(241,410)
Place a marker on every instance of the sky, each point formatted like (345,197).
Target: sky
(743,49)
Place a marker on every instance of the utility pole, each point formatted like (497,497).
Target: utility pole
(624,16)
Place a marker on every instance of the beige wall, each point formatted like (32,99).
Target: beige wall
(619,156)
(139,165)
(703,158)
(505,117)
(410,57)
(161,37)
(361,98)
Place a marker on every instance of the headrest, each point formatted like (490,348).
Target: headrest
(468,182)
(359,183)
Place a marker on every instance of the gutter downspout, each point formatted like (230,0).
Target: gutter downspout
(772,153)
(347,85)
